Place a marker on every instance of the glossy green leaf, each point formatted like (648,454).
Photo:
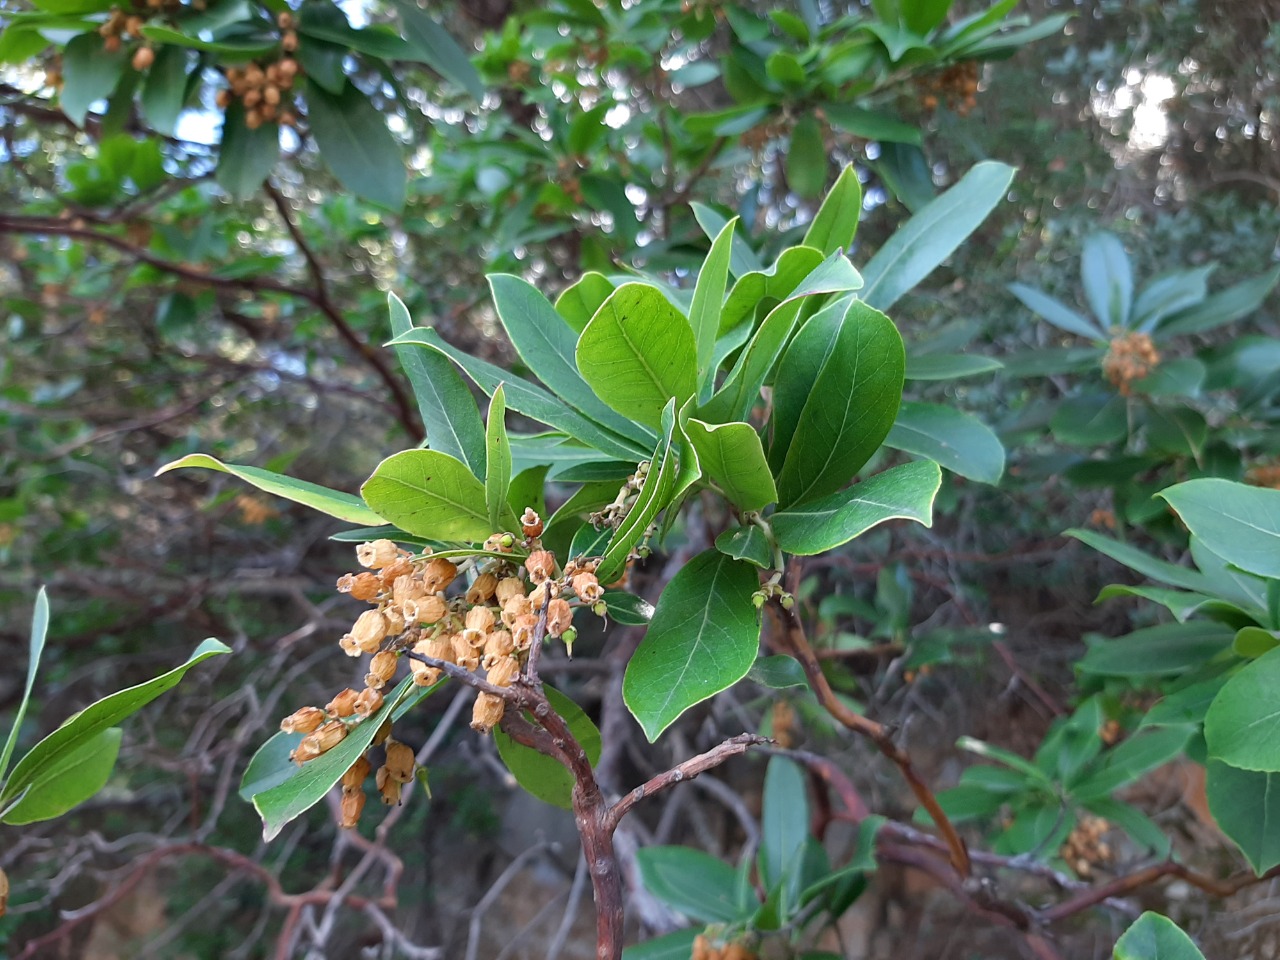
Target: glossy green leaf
(1154,937)
(638,352)
(344,506)
(1056,312)
(89,723)
(708,300)
(1090,420)
(431,494)
(1219,309)
(525,398)
(871,125)
(1252,642)
(905,492)
(836,222)
(1143,563)
(35,649)
(741,389)
(246,157)
(747,543)
(784,275)
(655,494)
(1127,762)
(905,170)
(270,765)
(672,946)
(1243,724)
(692,882)
(72,778)
(547,344)
(1246,804)
(807,158)
(851,378)
(732,457)
(1107,274)
(930,236)
(165,90)
(498,477)
(439,50)
(1240,523)
(743,259)
(955,439)
(356,145)
(448,409)
(1170,294)
(238,50)
(580,301)
(777,672)
(703,638)
(628,609)
(921,16)
(949,366)
(784,821)
(89,73)
(545,777)
(1168,649)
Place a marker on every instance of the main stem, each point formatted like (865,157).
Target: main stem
(592,815)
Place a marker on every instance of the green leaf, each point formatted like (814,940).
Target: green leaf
(628,609)
(1168,649)
(1145,564)
(545,777)
(579,302)
(1128,761)
(1246,804)
(1170,294)
(439,50)
(905,492)
(921,16)
(525,398)
(1252,642)
(905,170)
(744,259)
(431,494)
(1107,274)
(850,378)
(448,409)
(930,236)
(1240,523)
(72,778)
(1056,312)
(1091,420)
(90,722)
(1153,937)
(344,506)
(955,439)
(1219,309)
(236,49)
(777,672)
(732,457)
(807,158)
(638,352)
(35,648)
(89,74)
(245,157)
(871,125)
(836,221)
(747,543)
(356,145)
(672,946)
(655,493)
(1241,726)
(784,822)
(165,90)
(708,300)
(498,478)
(704,637)
(270,766)
(742,387)
(752,289)
(949,366)
(694,883)
(547,344)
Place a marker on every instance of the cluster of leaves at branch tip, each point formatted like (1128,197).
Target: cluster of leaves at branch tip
(482,614)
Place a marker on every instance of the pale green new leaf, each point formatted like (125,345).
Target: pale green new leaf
(732,457)
(1154,937)
(497,480)
(708,300)
(35,648)
(836,221)
(1107,274)
(72,778)
(431,494)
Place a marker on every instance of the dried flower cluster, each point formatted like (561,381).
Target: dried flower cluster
(482,614)
(957,86)
(1132,357)
(705,949)
(1084,848)
(265,88)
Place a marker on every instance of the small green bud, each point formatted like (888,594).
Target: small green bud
(569,636)
(787,601)
(600,608)
(758,599)
(507,540)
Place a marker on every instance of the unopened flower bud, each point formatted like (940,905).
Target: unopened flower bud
(344,704)
(356,773)
(487,712)
(541,565)
(438,574)
(569,637)
(377,554)
(507,588)
(369,630)
(306,720)
(531,523)
(400,761)
(506,541)
(351,807)
(559,617)
(483,589)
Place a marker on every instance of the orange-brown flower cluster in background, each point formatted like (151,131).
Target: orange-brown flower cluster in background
(1085,848)
(265,87)
(481,614)
(1264,475)
(705,949)
(1132,356)
(957,86)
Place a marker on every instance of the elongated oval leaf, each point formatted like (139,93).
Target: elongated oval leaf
(89,73)
(356,145)
(245,157)
(1056,312)
(165,89)
(438,49)
(498,478)
(807,158)
(655,494)
(1107,275)
(703,639)
(344,506)
(579,302)
(1165,650)
(1246,804)
(957,440)
(1242,727)
(545,777)
(430,494)
(949,366)
(732,457)
(930,236)
(72,778)
(850,407)
(35,649)
(836,221)
(448,409)
(1238,522)
(747,543)
(638,352)
(708,300)
(692,882)
(1226,306)
(784,821)
(1153,937)
(905,492)
(90,722)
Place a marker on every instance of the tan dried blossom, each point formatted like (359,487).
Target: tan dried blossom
(587,587)
(503,672)
(515,608)
(320,742)
(400,761)
(438,574)
(480,618)
(369,630)
(377,554)
(400,567)
(531,523)
(344,704)
(388,786)
(559,617)
(498,644)
(483,589)
(369,702)
(356,773)
(306,720)
(1132,356)
(522,631)
(508,588)
(541,565)
(487,712)
(464,654)
(406,587)
(540,593)
(351,807)
(349,647)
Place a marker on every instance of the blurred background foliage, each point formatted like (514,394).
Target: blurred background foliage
(182,271)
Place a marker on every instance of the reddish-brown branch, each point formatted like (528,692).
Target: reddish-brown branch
(1131,882)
